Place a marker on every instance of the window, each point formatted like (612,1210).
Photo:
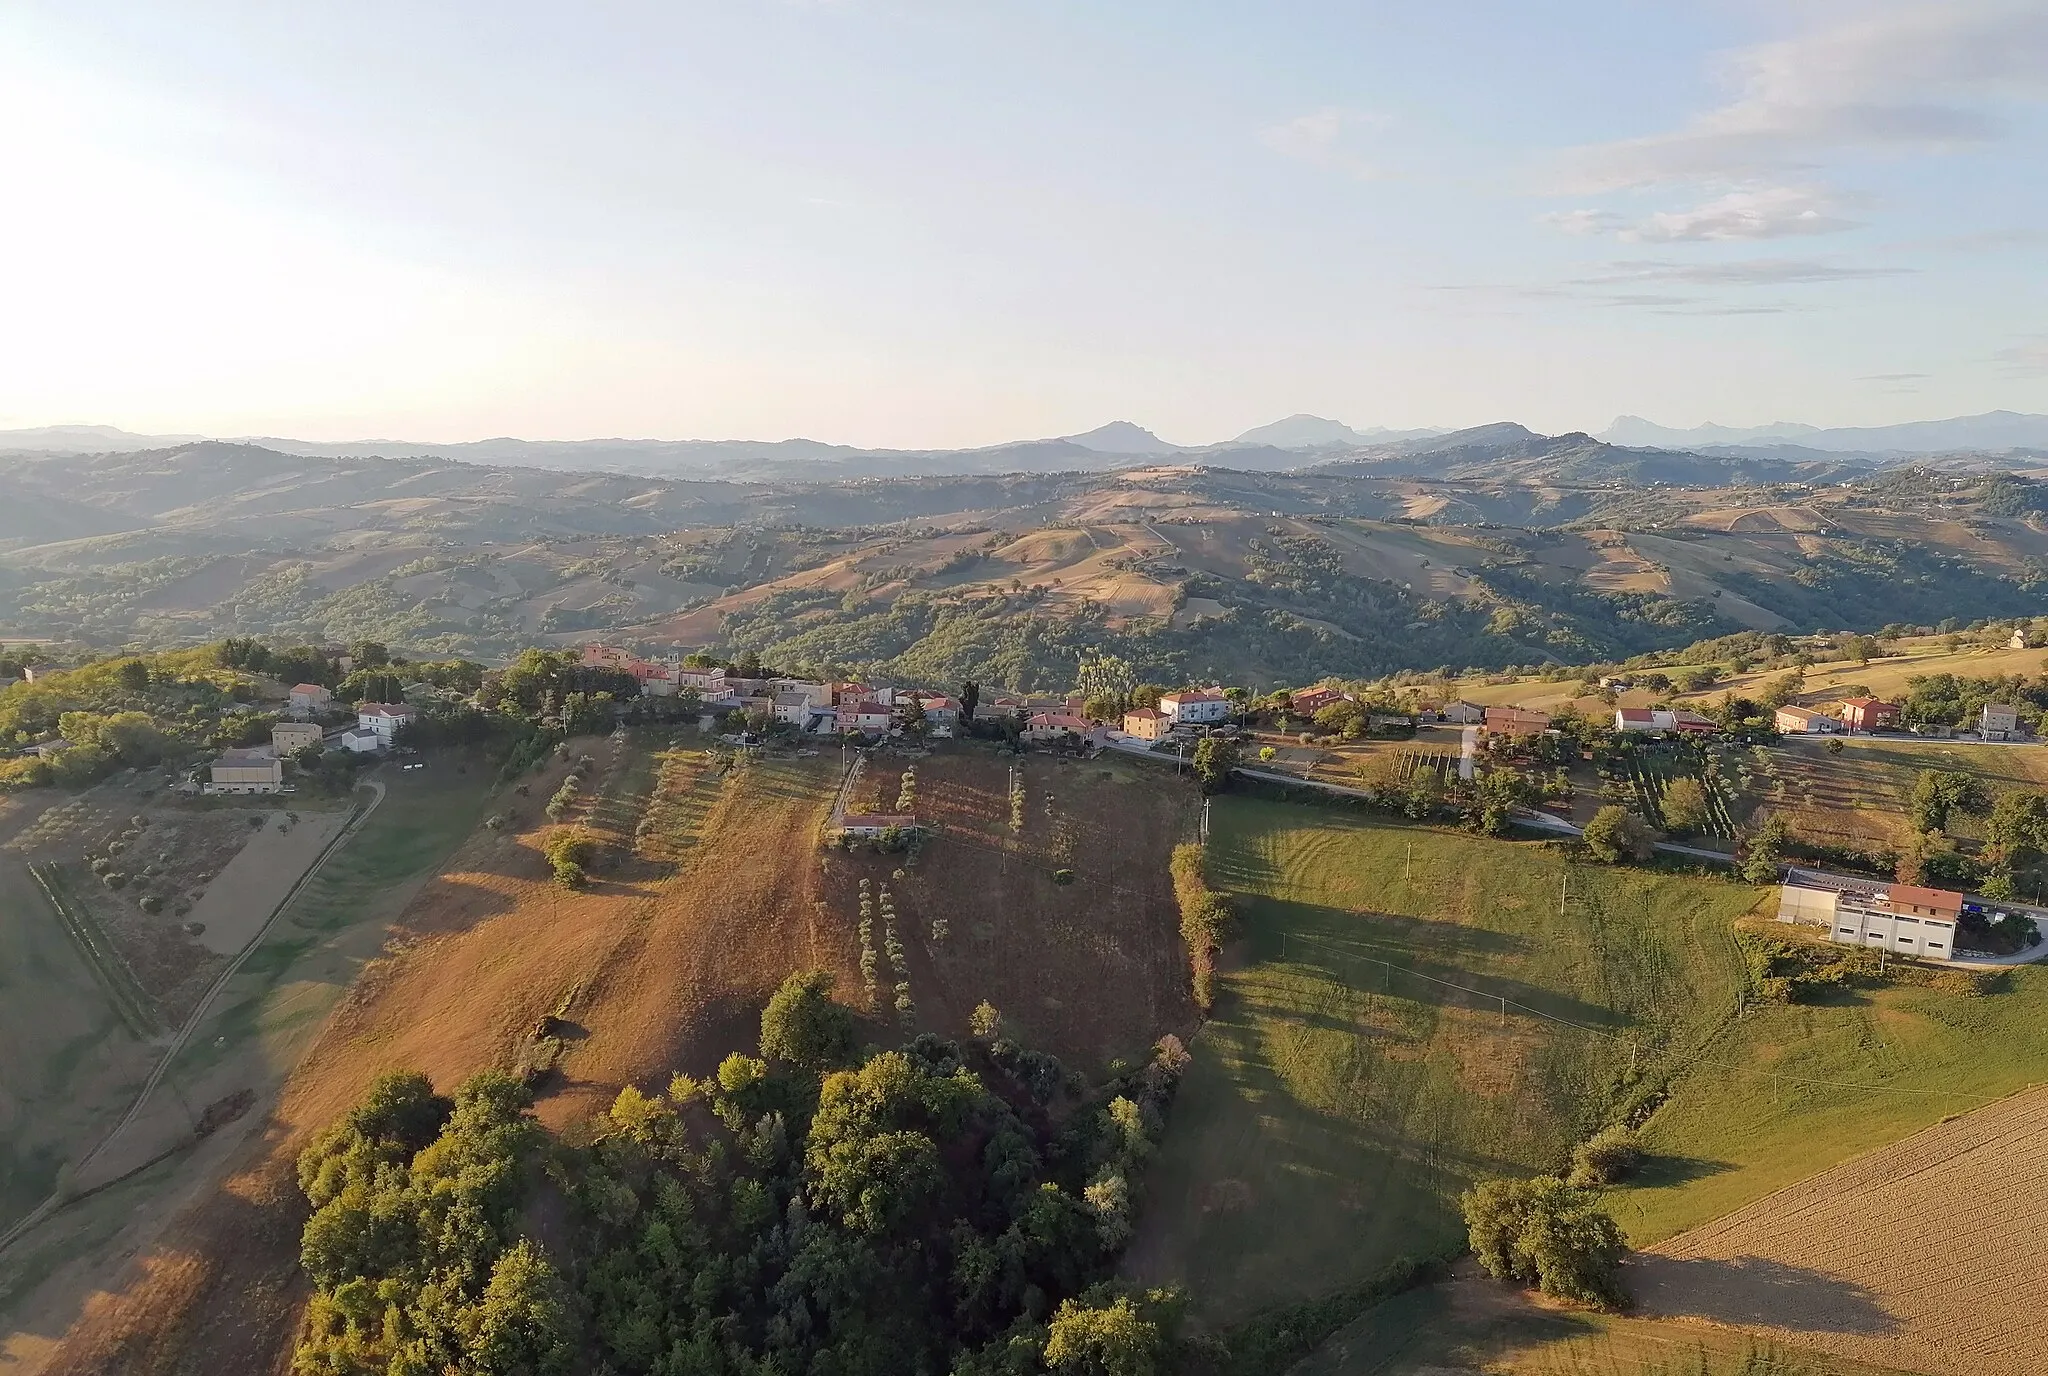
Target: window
(1846,931)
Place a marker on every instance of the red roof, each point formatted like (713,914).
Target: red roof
(1193,697)
(1144,714)
(1642,714)
(1941,900)
(1867,704)
(1060,721)
(307,688)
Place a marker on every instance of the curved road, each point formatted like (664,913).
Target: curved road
(184,1033)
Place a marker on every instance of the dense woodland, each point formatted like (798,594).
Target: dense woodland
(937,1209)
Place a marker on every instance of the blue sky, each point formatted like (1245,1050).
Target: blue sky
(940,222)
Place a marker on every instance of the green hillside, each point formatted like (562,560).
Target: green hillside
(1361,1069)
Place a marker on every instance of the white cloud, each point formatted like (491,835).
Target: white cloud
(2028,358)
(1916,76)
(1770,213)
(1583,222)
(1320,138)
(1747,272)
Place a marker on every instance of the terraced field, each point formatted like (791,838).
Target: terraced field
(1925,1255)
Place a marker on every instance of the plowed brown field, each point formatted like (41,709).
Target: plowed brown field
(658,969)
(1925,1255)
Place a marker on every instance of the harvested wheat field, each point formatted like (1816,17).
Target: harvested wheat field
(660,966)
(1925,1255)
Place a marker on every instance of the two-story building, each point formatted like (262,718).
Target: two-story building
(1903,919)
(1870,714)
(1147,724)
(246,771)
(1200,707)
(1998,721)
(383,719)
(1046,727)
(1516,721)
(308,700)
(868,717)
(290,737)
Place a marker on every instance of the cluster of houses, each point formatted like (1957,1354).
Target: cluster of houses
(1996,721)
(260,768)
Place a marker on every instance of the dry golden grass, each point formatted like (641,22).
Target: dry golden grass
(1923,1255)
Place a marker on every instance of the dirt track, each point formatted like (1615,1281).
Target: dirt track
(1925,1255)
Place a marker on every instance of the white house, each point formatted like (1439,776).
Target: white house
(1462,713)
(1999,721)
(868,716)
(383,719)
(1644,719)
(1198,708)
(1904,919)
(1805,721)
(290,737)
(360,741)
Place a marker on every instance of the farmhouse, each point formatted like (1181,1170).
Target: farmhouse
(1146,724)
(2018,640)
(1196,708)
(383,719)
(309,700)
(866,716)
(290,737)
(1903,919)
(1516,721)
(1462,713)
(1644,719)
(246,771)
(1310,701)
(1053,726)
(941,714)
(1869,714)
(1998,721)
(1805,721)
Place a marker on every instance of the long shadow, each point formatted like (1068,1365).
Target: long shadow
(1747,1291)
(1659,1170)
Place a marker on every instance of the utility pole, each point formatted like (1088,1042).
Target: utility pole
(1408,865)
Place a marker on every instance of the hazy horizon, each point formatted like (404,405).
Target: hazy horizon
(909,225)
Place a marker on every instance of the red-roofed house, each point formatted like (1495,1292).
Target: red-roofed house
(383,719)
(1310,701)
(309,698)
(1146,724)
(1195,708)
(1053,726)
(1516,721)
(1641,719)
(868,717)
(1869,714)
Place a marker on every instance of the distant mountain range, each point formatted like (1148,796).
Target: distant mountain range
(1631,449)
(1992,431)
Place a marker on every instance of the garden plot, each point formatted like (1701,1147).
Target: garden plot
(237,904)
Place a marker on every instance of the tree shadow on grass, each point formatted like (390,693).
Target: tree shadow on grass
(1757,1291)
(1659,1170)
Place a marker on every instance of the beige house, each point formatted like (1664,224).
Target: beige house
(246,771)
(1147,724)
(1804,721)
(1998,721)
(290,737)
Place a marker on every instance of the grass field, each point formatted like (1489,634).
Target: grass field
(1473,1325)
(1338,1104)
(1859,797)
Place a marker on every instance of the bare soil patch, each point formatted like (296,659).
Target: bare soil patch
(249,888)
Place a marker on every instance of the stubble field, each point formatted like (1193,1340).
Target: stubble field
(1925,1255)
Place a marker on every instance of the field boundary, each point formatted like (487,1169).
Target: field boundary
(131,1002)
(58,1201)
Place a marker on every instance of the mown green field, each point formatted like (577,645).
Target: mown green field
(1361,1069)
(1469,1326)
(307,962)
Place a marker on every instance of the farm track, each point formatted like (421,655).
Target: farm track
(1923,1255)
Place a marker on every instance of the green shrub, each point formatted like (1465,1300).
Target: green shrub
(1545,1233)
